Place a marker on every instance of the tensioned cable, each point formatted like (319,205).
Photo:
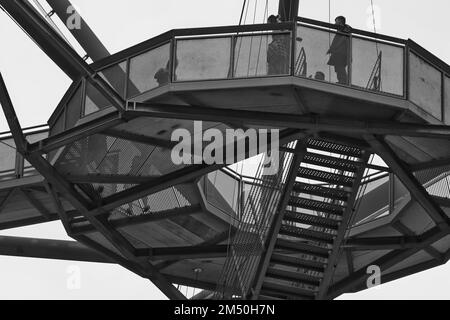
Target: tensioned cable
(50,21)
(266,13)
(242,12)
(251,39)
(246,5)
(329,36)
(374,23)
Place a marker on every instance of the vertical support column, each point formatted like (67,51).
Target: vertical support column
(288,10)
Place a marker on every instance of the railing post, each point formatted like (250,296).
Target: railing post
(350,62)
(406,73)
(19,168)
(172,57)
(294,47)
(234,40)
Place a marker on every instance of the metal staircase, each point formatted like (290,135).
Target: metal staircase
(326,179)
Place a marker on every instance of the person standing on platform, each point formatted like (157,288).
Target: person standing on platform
(339,50)
(278,51)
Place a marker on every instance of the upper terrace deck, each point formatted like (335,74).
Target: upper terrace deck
(228,67)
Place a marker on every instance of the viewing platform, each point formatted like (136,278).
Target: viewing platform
(364,160)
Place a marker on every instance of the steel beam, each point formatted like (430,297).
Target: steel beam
(82,131)
(314,123)
(82,204)
(24,222)
(57,48)
(108,178)
(35,203)
(424,266)
(383,243)
(440,163)
(186,174)
(267,119)
(387,261)
(142,219)
(140,138)
(183,253)
(84,35)
(49,249)
(417,191)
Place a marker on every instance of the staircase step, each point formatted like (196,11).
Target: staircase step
(292,276)
(289,290)
(328,177)
(311,220)
(319,191)
(276,295)
(307,234)
(328,146)
(289,261)
(331,162)
(316,206)
(302,247)
(268,297)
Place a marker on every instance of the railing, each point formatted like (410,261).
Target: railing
(12,164)
(363,61)
(248,242)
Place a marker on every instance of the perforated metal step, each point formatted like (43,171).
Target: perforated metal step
(311,220)
(320,191)
(331,162)
(323,176)
(302,247)
(316,206)
(324,145)
(290,261)
(287,289)
(293,276)
(307,234)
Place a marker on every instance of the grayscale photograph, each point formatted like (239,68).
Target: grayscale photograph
(233,151)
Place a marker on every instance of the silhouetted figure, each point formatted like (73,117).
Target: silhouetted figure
(339,50)
(319,76)
(162,76)
(278,51)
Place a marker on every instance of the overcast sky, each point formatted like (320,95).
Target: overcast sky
(36,86)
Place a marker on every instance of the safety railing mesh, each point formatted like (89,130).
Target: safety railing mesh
(247,245)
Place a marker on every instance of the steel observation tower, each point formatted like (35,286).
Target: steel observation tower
(364,164)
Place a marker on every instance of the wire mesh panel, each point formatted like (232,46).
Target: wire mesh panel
(425,86)
(7,158)
(149,70)
(222,192)
(73,109)
(58,125)
(262,55)
(377,66)
(447,100)
(373,201)
(436,181)
(116,76)
(315,59)
(202,59)
(94,100)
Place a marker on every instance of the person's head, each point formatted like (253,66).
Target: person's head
(340,21)
(273,19)
(319,75)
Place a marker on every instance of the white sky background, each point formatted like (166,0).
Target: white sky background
(36,85)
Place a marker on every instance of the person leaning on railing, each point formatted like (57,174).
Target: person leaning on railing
(278,51)
(339,50)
